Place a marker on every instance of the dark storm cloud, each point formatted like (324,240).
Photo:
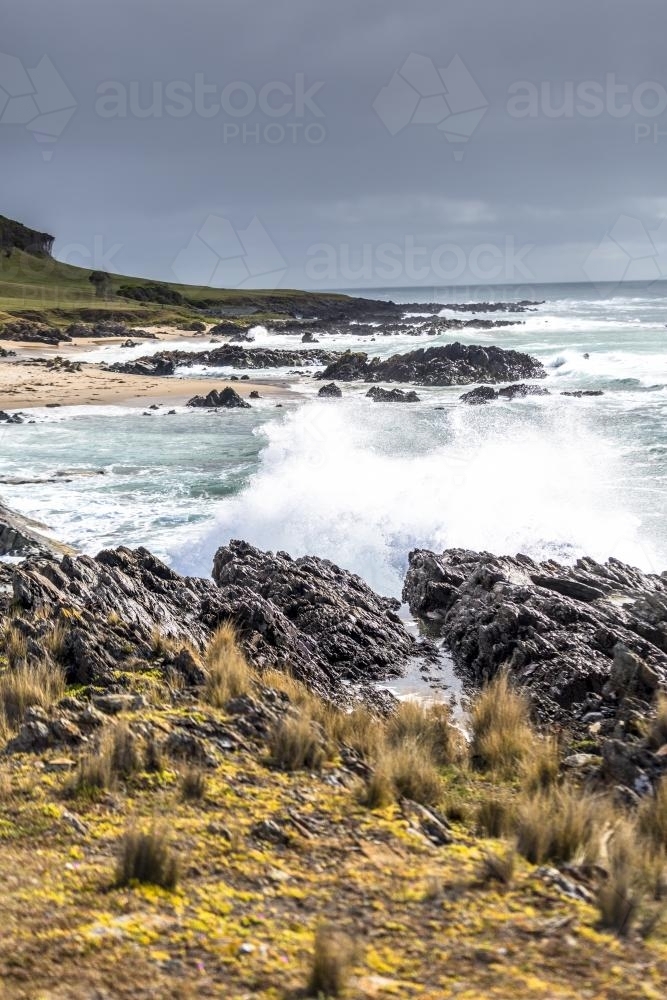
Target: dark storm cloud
(149,165)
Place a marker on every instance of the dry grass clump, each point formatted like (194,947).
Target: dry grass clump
(541,768)
(332,960)
(502,736)
(657,733)
(498,867)
(297,743)
(145,856)
(92,776)
(428,727)
(619,896)
(15,646)
(360,729)
(497,815)
(193,785)
(560,825)
(227,672)
(25,685)
(652,818)
(120,756)
(54,641)
(406,771)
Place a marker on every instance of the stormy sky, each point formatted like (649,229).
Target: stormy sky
(306,143)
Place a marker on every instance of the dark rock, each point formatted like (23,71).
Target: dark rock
(254,395)
(578,393)
(227,398)
(330,391)
(482,394)
(521,390)
(305,615)
(10,418)
(380,395)
(227,356)
(564,632)
(452,364)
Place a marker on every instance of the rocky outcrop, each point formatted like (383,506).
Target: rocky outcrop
(330,616)
(227,398)
(225,356)
(306,615)
(520,390)
(557,629)
(330,391)
(21,536)
(380,395)
(452,364)
(16,236)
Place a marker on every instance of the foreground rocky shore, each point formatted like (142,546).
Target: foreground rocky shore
(588,642)
(207,778)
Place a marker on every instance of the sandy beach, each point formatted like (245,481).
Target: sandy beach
(25,381)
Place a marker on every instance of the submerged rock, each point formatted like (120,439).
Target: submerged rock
(392,395)
(227,398)
(477,397)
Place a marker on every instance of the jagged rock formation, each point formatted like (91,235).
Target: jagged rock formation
(226,398)
(380,395)
(452,364)
(225,356)
(330,391)
(16,236)
(485,394)
(566,633)
(21,536)
(322,622)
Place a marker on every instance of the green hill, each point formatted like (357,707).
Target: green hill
(35,286)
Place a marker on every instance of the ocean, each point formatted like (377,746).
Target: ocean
(363,483)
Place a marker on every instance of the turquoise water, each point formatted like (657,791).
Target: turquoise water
(364,483)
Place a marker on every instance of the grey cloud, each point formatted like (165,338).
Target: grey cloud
(149,184)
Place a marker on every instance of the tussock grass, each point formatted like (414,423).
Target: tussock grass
(120,756)
(297,743)
(145,856)
(652,818)
(502,736)
(618,897)
(92,776)
(193,785)
(54,641)
(25,685)
(360,729)
(540,769)
(124,751)
(227,672)
(657,733)
(496,815)
(15,646)
(498,867)
(331,964)
(405,770)
(560,825)
(428,727)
